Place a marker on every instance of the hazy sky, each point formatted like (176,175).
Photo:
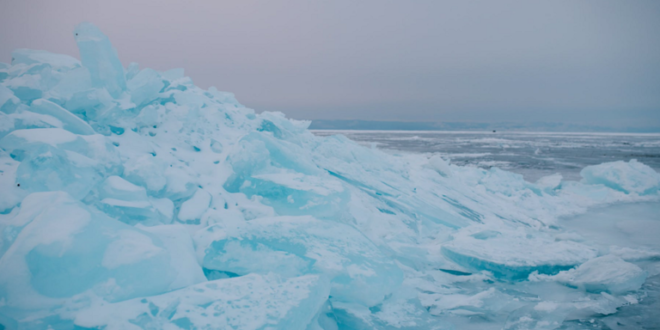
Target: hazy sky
(572,61)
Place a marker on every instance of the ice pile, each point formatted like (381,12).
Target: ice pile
(132,199)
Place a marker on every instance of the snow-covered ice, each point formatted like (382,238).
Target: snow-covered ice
(132,199)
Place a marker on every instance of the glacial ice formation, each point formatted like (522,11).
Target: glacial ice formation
(132,199)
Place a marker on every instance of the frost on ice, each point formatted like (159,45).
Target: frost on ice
(132,199)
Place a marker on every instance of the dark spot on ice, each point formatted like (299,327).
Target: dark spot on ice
(18,185)
(454,272)
(375,309)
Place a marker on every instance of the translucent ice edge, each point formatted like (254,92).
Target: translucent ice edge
(132,199)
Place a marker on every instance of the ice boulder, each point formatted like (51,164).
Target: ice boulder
(515,255)
(249,302)
(62,249)
(630,177)
(293,246)
(604,274)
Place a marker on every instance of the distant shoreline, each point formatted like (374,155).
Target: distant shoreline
(483,132)
(509,127)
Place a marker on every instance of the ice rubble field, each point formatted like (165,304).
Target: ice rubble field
(131,199)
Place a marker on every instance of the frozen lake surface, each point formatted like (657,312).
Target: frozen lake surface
(528,153)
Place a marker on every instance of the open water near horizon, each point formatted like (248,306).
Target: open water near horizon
(532,154)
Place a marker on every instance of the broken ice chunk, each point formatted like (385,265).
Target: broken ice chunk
(549,182)
(69,121)
(604,274)
(193,209)
(128,202)
(54,159)
(439,165)
(515,255)
(146,171)
(145,86)
(8,101)
(100,58)
(630,177)
(56,257)
(360,273)
(249,302)
(179,245)
(118,188)
(50,169)
(26,87)
(10,194)
(59,62)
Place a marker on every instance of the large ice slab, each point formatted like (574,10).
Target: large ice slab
(54,159)
(70,122)
(604,274)
(244,303)
(59,62)
(298,245)
(53,258)
(8,101)
(515,255)
(100,58)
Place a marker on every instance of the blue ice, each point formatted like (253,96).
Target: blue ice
(133,199)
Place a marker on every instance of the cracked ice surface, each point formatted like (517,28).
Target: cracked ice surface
(132,199)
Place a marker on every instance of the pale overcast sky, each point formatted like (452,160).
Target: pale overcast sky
(582,61)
